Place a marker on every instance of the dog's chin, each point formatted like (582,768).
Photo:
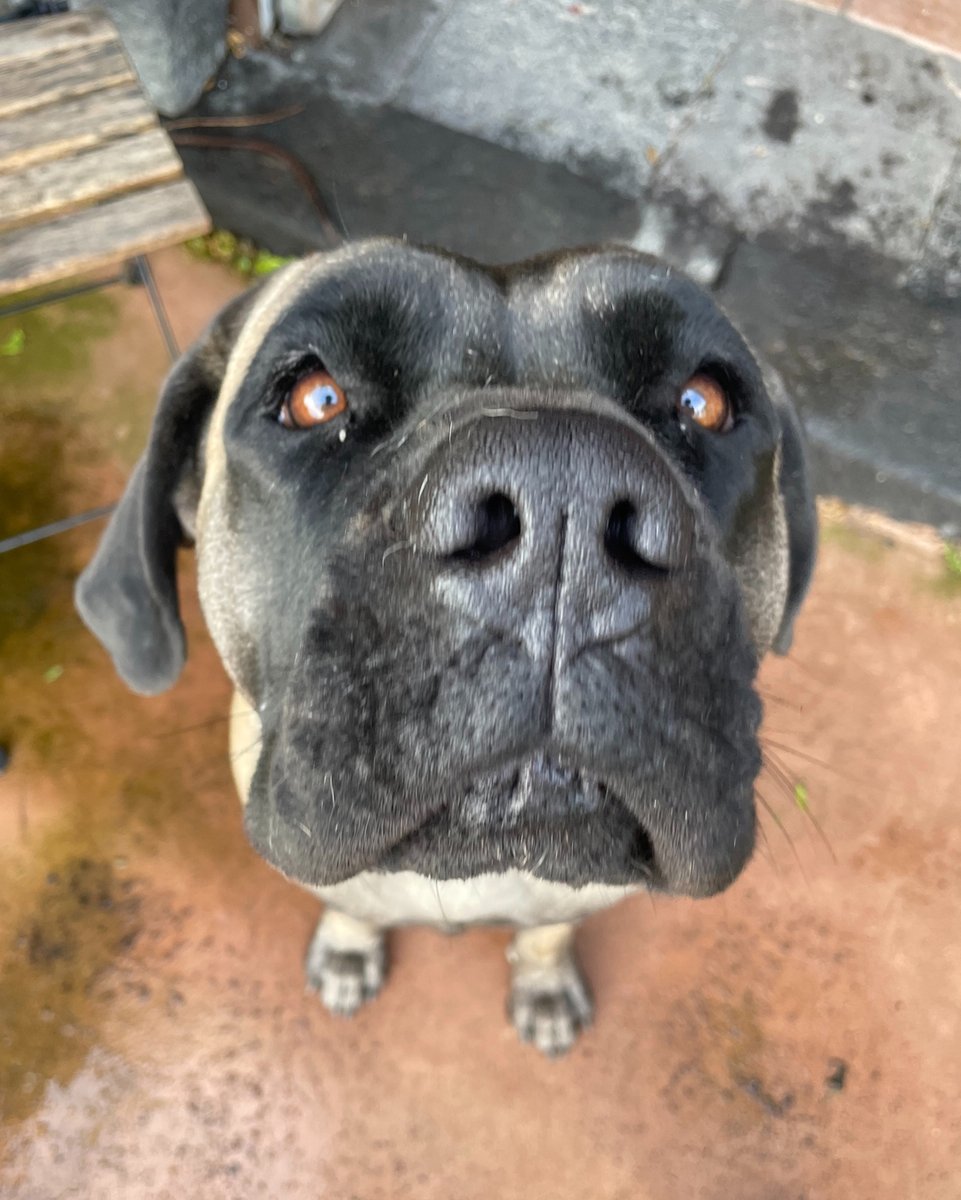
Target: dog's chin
(552,814)
(540,815)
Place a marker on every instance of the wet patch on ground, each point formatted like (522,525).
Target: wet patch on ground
(53,343)
(81,919)
(90,796)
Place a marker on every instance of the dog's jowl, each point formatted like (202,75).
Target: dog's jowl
(491,556)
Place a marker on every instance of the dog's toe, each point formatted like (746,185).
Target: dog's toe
(550,1009)
(345,978)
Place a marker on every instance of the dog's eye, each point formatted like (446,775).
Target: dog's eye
(314,399)
(705,402)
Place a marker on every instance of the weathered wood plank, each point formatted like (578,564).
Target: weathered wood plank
(57,130)
(46,35)
(97,237)
(43,191)
(32,82)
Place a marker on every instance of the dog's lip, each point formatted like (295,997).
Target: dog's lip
(547,787)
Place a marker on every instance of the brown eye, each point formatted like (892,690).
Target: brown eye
(705,401)
(312,401)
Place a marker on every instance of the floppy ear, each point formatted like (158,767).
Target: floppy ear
(128,593)
(799,510)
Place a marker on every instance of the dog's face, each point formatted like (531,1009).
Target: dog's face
(493,553)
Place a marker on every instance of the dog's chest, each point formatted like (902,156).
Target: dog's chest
(511,897)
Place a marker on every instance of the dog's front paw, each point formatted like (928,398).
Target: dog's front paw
(549,1006)
(346,963)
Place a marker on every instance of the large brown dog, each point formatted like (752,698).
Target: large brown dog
(491,556)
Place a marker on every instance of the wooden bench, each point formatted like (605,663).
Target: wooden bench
(88,178)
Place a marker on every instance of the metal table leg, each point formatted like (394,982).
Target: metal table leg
(137,272)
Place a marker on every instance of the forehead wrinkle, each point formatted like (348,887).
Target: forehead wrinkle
(601,281)
(547,310)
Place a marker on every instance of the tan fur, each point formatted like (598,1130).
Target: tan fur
(544,946)
(508,897)
(347,934)
(221,556)
(245,734)
(762,567)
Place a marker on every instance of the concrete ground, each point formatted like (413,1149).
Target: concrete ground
(797,1037)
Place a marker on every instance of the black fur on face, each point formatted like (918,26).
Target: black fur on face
(435,701)
(506,610)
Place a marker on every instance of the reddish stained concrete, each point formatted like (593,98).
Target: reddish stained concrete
(935,23)
(156,1039)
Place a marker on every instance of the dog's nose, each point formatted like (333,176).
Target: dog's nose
(561,526)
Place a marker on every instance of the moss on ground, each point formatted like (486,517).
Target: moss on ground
(52,342)
(865,543)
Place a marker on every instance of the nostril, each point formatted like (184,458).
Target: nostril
(622,540)
(496,527)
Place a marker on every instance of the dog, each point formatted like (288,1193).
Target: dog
(491,556)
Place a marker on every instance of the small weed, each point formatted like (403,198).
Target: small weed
(13,343)
(266,264)
(240,254)
(947,583)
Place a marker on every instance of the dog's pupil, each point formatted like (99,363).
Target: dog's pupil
(695,402)
(320,398)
